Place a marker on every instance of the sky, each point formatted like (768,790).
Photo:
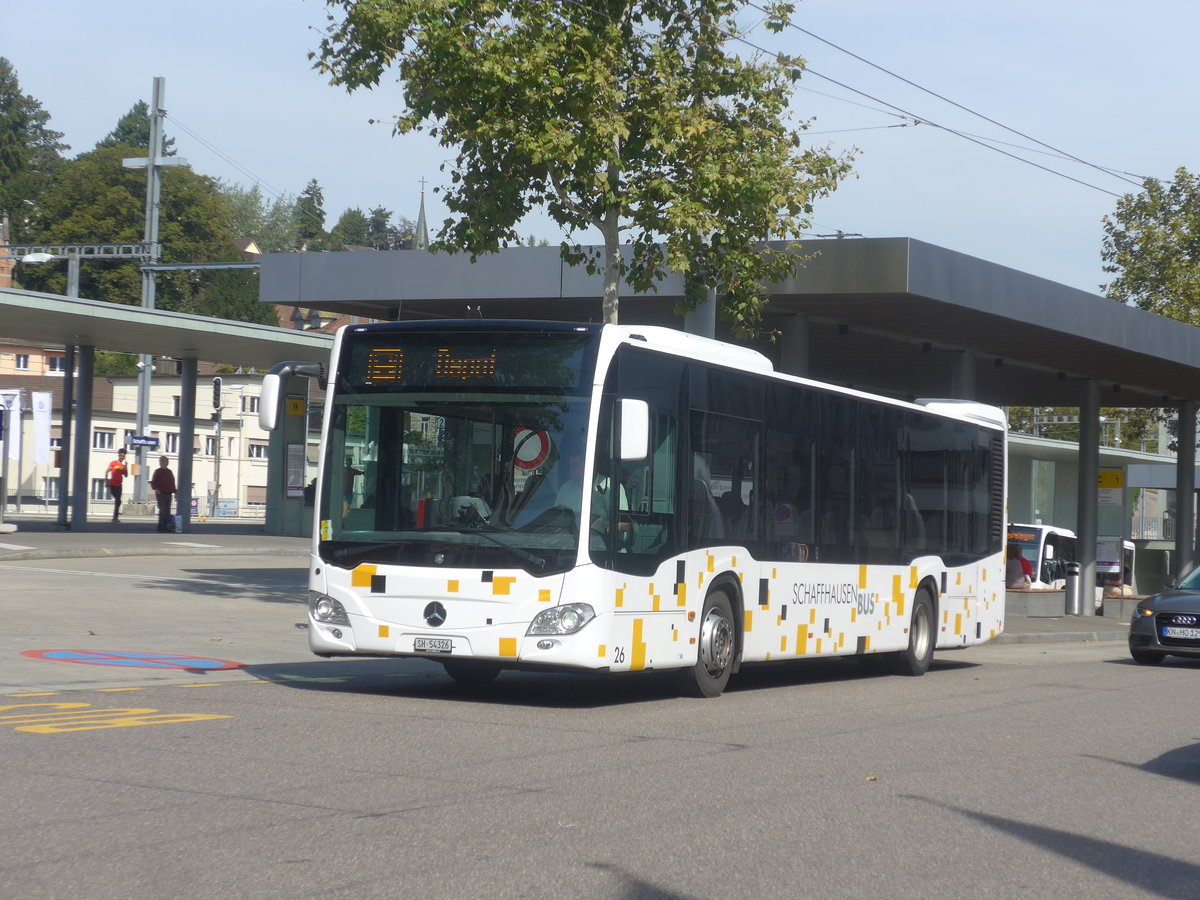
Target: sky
(1109,82)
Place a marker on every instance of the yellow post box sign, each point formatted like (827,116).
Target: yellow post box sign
(295,405)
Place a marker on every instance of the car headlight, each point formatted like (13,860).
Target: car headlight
(325,609)
(565,619)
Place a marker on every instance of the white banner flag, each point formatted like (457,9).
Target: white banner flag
(11,401)
(41,401)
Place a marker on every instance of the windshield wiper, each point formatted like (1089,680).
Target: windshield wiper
(536,561)
(344,553)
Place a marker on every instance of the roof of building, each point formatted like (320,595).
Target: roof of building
(890,315)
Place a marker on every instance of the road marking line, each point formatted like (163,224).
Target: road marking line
(14,547)
(187,544)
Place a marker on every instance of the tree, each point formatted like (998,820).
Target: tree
(30,151)
(352,229)
(133,130)
(1152,245)
(97,200)
(386,236)
(627,117)
(272,226)
(310,216)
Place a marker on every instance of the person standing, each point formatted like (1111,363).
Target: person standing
(117,470)
(163,484)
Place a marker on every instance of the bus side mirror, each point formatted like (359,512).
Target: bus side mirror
(635,429)
(1049,551)
(268,402)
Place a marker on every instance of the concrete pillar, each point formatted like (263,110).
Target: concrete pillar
(794,348)
(962,375)
(703,319)
(1185,490)
(82,438)
(1089,473)
(187,443)
(65,444)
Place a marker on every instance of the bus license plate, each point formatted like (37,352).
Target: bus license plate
(433,645)
(1174,631)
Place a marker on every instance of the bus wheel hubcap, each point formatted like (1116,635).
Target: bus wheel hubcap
(716,642)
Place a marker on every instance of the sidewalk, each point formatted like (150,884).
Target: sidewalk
(37,537)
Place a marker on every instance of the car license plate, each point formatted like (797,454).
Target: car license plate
(433,645)
(1174,631)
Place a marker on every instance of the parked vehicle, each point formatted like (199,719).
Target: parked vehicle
(1048,549)
(1168,623)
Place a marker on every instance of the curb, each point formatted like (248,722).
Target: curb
(97,552)
(1082,637)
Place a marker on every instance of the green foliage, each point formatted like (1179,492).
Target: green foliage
(628,117)
(352,229)
(310,216)
(383,235)
(1131,429)
(1152,246)
(232,294)
(97,200)
(133,130)
(272,226)
(109,363)
(30,152)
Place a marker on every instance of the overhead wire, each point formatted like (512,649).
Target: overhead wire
(1061,153)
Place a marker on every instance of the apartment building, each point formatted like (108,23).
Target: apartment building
(229,456)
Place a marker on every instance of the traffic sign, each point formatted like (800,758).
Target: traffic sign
(137,440)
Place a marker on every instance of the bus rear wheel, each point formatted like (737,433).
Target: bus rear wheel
(916,658)
(471,671)
(715,650)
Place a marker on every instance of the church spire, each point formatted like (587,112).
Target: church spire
(420,239)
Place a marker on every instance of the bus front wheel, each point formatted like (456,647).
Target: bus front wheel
(916,658)
(710,674)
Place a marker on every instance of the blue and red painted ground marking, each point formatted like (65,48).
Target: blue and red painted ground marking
(171,661)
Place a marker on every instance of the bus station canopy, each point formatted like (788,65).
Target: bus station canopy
(890,315)
(52,320)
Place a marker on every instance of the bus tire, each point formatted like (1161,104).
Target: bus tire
(915,659)
(471,671)
(715,649)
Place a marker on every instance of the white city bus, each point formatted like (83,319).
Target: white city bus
(732,514)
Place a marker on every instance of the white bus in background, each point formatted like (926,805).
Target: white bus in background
(1048,549)
(500,494)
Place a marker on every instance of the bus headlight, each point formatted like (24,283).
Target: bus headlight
(565,619)
(327,610)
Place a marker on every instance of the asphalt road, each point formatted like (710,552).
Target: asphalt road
(1009,771)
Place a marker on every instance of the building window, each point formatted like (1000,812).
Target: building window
(100,489)
(256,495)
(256,450)
(172,443)
(50,488)
(58,364)
(129,433)
(22,361)
(210,446)
(176,406)
(249,404)
(103,440)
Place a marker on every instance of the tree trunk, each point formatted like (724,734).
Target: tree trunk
(611,232)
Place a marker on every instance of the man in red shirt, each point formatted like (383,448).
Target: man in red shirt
(117,470)
(162,482)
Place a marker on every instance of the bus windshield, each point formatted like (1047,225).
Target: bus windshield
(461,450)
